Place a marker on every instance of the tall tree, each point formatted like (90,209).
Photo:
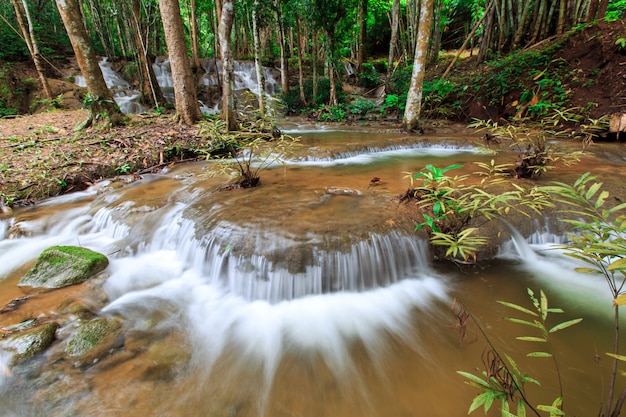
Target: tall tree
(284,64)
(226,49)
(28,34)
(150,89)
(185,97)
(413,107)
(393,42)
(362,34)
(257,56)
(102,102)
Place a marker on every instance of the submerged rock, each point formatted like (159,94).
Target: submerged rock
(60,266)
(27,343)
(95,340)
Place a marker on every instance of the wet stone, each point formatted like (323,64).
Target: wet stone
(60,266)
(28,343)
(94,341)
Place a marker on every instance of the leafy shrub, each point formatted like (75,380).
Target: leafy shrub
(369,77)
(360,107)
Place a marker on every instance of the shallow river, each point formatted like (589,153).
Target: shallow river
(290,300)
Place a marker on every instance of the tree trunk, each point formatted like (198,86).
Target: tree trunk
(228,95)
(300,60)
(257,56)
(604,4)
(413,108)
(28,35)
(521,28)
(362,53)
(186,101)
(393,42)
(486,40)
(315,63)
(330,60)
(102,100)
(284,66)
(150,89)
(196,67)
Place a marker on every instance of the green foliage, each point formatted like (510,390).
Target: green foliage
(453,208)
(393,104)
(292,104)
(360,107)
(502,379)
(331,113)
(437,93)
(616,10)
(369,77)
(245,158)
(536,153)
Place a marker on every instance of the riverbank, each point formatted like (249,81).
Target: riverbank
(43,155)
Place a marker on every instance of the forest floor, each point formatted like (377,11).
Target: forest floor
(43,154)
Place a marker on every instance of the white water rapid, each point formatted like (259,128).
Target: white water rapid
(128,99)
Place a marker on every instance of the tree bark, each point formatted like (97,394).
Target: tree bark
(413,107)
(284,66)
(150,89)
(224,32)
(257,56)
(196,67)
(186,101)
(604,4)
(102,103)
(28,35)
(300,60)
(393,42)
(362,55)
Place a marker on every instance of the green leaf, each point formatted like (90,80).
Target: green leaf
(531,339)
(474,380)
(614,209)
(601,199)
(592,190)
(618,265)
(539,355)
(521,408)
(518,308)
(564,325)
(544,306)
(618,357)
(524,322)
(480,399)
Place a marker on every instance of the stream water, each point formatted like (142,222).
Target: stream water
(288,300)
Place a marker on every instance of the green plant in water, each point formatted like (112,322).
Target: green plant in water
(246,154)
(536,153)
(502,380)
(453,209)
(599,240)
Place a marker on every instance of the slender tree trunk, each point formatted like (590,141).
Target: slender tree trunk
(315,62)
(593,10)
(393,42)
(330,60)
(103,103)
(413,107)
(604,4)
(228,94)
(284,66)
(486,40)
(362,54)
(300,60)
(521,28)
(196,67)
(186,101)
(28,34)
(433,55)
(150,89)
(257,56)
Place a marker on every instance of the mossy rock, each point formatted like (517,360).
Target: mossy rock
(95,340)
(28,343)
(60,266)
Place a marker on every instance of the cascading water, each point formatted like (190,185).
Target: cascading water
(128,98)
(279,301)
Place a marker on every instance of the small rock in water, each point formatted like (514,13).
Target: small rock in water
(342,191)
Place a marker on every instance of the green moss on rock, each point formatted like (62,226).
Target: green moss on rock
(60,266)
(28,343)
(94,340)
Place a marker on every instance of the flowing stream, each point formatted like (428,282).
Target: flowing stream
(289,299)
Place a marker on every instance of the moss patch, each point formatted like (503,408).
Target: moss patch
(94,340)
(60,266)
(30,342)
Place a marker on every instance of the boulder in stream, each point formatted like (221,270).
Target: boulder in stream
(94,340)
(60,266)
(27,343)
